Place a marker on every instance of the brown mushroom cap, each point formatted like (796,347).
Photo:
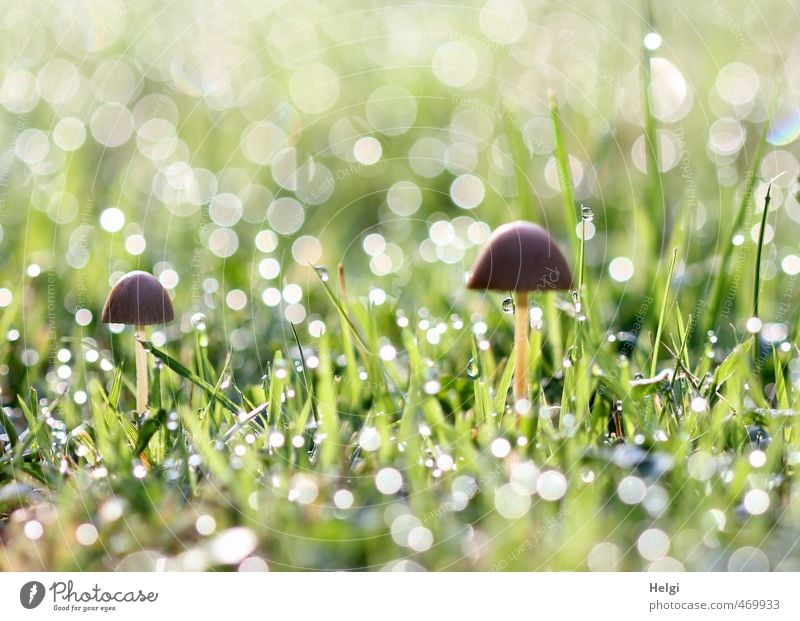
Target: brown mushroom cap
(138,299)
(520,256)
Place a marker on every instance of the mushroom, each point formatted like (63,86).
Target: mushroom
(138,299)
(520,257)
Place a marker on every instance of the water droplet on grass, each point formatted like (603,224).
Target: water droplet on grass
(587,215)
(576,301)
(322,272)
(198,322)
(473,369)
(508,306)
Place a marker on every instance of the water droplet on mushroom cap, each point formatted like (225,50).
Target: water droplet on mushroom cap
(520,256)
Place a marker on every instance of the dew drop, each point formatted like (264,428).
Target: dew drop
(576,300)
(198,322)
(508,306)
(473,369)
(587,215)
(322,272)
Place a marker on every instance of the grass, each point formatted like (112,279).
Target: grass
(376,430)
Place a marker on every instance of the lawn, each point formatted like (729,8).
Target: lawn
(311,183)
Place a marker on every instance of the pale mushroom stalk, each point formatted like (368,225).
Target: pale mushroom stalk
(141,370)
(521,341)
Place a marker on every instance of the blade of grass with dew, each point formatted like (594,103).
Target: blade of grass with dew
(116,426)
(101,425)
(759,248)
(326,405)
(245,419)
(721,280)
(351,363)
(276,385)
(304,374)
(158,449)
(681,357)
(149,427)
(371,362)
(662,315)
(782,400)
(37,428)
(757,273)
(210,409)
(203,365)
(181,370)
(479,393)
(413,393)
(554,336)
(728,367)
(504,385)
(382,383)
(9,428)
(200,437)
(564,172)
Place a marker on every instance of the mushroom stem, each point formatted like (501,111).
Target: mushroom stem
(141,371)
(521,346)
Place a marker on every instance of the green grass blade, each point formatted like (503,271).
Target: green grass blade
(181,370)
(662,315)
(564,172)
(721,280)
(759,248)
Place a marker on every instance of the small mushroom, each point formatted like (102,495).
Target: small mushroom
(138,299)
(520,257)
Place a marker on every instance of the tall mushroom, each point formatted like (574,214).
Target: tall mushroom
(138,299)
(520,257)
